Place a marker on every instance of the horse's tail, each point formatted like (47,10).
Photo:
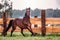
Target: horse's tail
(9,25)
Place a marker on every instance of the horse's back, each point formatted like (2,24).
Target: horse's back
(18,21)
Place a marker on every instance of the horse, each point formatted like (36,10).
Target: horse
(21,23)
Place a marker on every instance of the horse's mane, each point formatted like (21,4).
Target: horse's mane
(26,19)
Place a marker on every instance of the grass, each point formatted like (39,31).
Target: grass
(18,36)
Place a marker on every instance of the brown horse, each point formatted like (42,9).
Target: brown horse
(21,23)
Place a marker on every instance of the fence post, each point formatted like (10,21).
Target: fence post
(4,22)
(43,28)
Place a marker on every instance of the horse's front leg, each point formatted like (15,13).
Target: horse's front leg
(22,32)
(30,29)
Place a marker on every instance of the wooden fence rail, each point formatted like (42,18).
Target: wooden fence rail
(52,24)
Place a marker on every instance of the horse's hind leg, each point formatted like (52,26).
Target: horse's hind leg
(13,28)
(22,32)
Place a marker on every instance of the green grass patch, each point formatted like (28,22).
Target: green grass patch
(18,36)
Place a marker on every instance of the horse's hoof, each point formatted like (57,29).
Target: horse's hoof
(24,35)
(31,35)
(4,34)
(10,35)
(34,34)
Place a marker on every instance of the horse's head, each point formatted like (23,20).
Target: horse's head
(28,11)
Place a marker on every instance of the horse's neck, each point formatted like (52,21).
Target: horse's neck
(26,18)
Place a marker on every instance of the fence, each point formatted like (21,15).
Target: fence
(52,24)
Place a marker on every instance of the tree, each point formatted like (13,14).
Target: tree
(1,6)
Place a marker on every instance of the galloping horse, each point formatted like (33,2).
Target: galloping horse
(21,23)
